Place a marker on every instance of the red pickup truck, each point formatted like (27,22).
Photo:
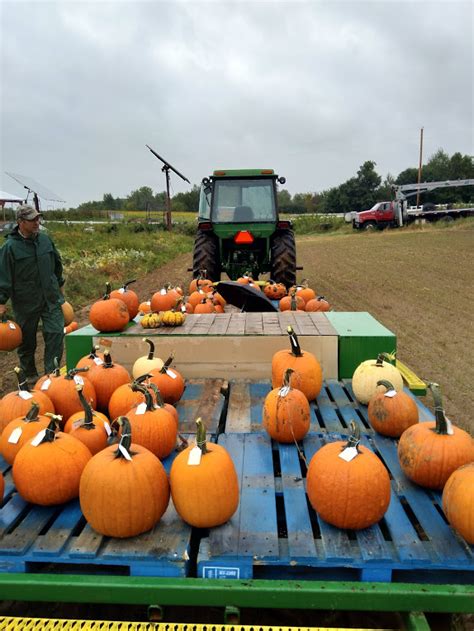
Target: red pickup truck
(390,214)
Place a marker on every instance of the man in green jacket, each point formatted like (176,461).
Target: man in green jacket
(31,277)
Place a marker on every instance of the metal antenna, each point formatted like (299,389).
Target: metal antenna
(166,168)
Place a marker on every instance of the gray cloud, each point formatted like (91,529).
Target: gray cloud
(312,89)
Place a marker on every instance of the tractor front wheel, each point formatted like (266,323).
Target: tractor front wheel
(206,255)
(283,258)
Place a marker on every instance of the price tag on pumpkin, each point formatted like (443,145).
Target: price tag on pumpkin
(15,435)
(12,326)
(121,290)
(449,427)
(78,423)
(283,391)
(124,452)
(98,361)
(163,292)
(171,374)
(390,394)
(348,454)
(25,395)
(46,383)
(141,408)
(78,380)
(38,438)
(195,455)
(107,428)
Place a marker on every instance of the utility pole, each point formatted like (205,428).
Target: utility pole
(420,166)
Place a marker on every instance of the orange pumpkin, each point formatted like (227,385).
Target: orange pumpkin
(10,334)
(458,501)
(61,389)
(106,378)
(124,490)
(304,291)
(16,404)
(351,494)
(245,279)
(164,299)
(430,452)
(129,297)
(145,307)
(391,412)
(93,359)
(201,281)
(317,304)
(159,401)
(152,425)
(90,427)
(20,430)
(292,302)
(73,326)
(205,495)
(124,398)
(169,381)
(286,412)
(205,306)
(274,291)
(307,375)
(2,486)
(196,297)
(109,314)
(49,473)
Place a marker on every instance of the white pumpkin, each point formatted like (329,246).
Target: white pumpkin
(366,375)
(144,364)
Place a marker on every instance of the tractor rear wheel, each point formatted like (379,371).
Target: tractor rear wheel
(283,258)
(206,255)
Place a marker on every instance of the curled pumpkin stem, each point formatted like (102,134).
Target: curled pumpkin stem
(440,416)
(295,345)
(354,438)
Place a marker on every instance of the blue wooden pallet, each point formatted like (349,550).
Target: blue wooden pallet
(201,398)
(277,534)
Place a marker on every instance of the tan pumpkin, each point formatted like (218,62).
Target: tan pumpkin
(124,490)
(369,372)
(68,313)
(286,412)
(144,364)
(391,412)
(352,494)
(307,375)
(205,495)
(430,452)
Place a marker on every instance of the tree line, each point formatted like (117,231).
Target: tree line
(359,192)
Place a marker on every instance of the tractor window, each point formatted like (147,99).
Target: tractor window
(204,204)
(243,201)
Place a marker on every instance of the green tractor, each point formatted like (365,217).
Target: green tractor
(239,229)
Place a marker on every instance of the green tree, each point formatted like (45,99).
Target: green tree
(188,201)
(141,199)
(109,202)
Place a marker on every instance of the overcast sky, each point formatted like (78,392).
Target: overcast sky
(311,89)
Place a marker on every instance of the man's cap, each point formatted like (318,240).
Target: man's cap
(27,212)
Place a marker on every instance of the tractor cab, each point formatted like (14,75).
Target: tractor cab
(239,229)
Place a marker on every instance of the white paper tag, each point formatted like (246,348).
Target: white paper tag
(449,427)
(171,374)
(107,428)
(348,454)
(141,408)
(46,383)
(78,423)
(194,457)
(390,394)
(125,453)
(38,438)
(15,435)
(283,391)
(12,326)
(98,361)
(121,290)
(78,380)
(163,292)
(25,395)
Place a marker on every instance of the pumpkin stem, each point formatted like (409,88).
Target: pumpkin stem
(32,414)
(142,378)
(201,436)
(295,346)
(167,364)
(93,353)
(57,368)
(52,428)
(125,439)
(88,419)
(129,282)
(21,381)
(73,372)
(387,384)
(148,398)
(151,352)
(107,359)
(108,289)
(158,398)
(354,438)
(440,416)
(287,377)
(293,303)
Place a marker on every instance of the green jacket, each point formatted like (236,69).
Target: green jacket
(30,273)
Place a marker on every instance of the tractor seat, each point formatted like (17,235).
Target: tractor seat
(243,213)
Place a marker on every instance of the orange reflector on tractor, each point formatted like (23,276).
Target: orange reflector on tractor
(267,172)
(243,236)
